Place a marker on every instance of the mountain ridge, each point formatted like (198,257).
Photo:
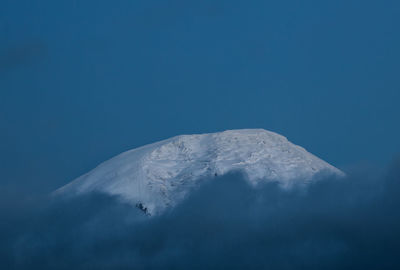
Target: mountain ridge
(160,175)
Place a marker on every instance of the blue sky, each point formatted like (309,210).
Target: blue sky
(81,82)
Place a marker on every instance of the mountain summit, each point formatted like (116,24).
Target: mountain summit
(159,175)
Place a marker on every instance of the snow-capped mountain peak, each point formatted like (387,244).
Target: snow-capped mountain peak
(159,175)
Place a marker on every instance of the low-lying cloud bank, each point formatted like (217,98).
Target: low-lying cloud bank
(352,223)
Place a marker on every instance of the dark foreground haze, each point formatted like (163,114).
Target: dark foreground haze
(353,223)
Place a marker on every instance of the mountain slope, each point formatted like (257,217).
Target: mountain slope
(161,174)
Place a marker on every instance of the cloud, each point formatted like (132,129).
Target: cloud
(22,54)
(352,223)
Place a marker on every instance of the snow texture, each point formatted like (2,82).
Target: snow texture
(160,175)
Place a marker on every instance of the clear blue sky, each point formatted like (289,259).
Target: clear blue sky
(81,82)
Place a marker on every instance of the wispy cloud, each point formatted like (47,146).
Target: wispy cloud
(352,223)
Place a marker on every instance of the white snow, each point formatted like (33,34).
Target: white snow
(161,174)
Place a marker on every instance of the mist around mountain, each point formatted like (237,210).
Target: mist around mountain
(350,223)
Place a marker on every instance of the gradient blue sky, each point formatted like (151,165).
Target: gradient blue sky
(81,82)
